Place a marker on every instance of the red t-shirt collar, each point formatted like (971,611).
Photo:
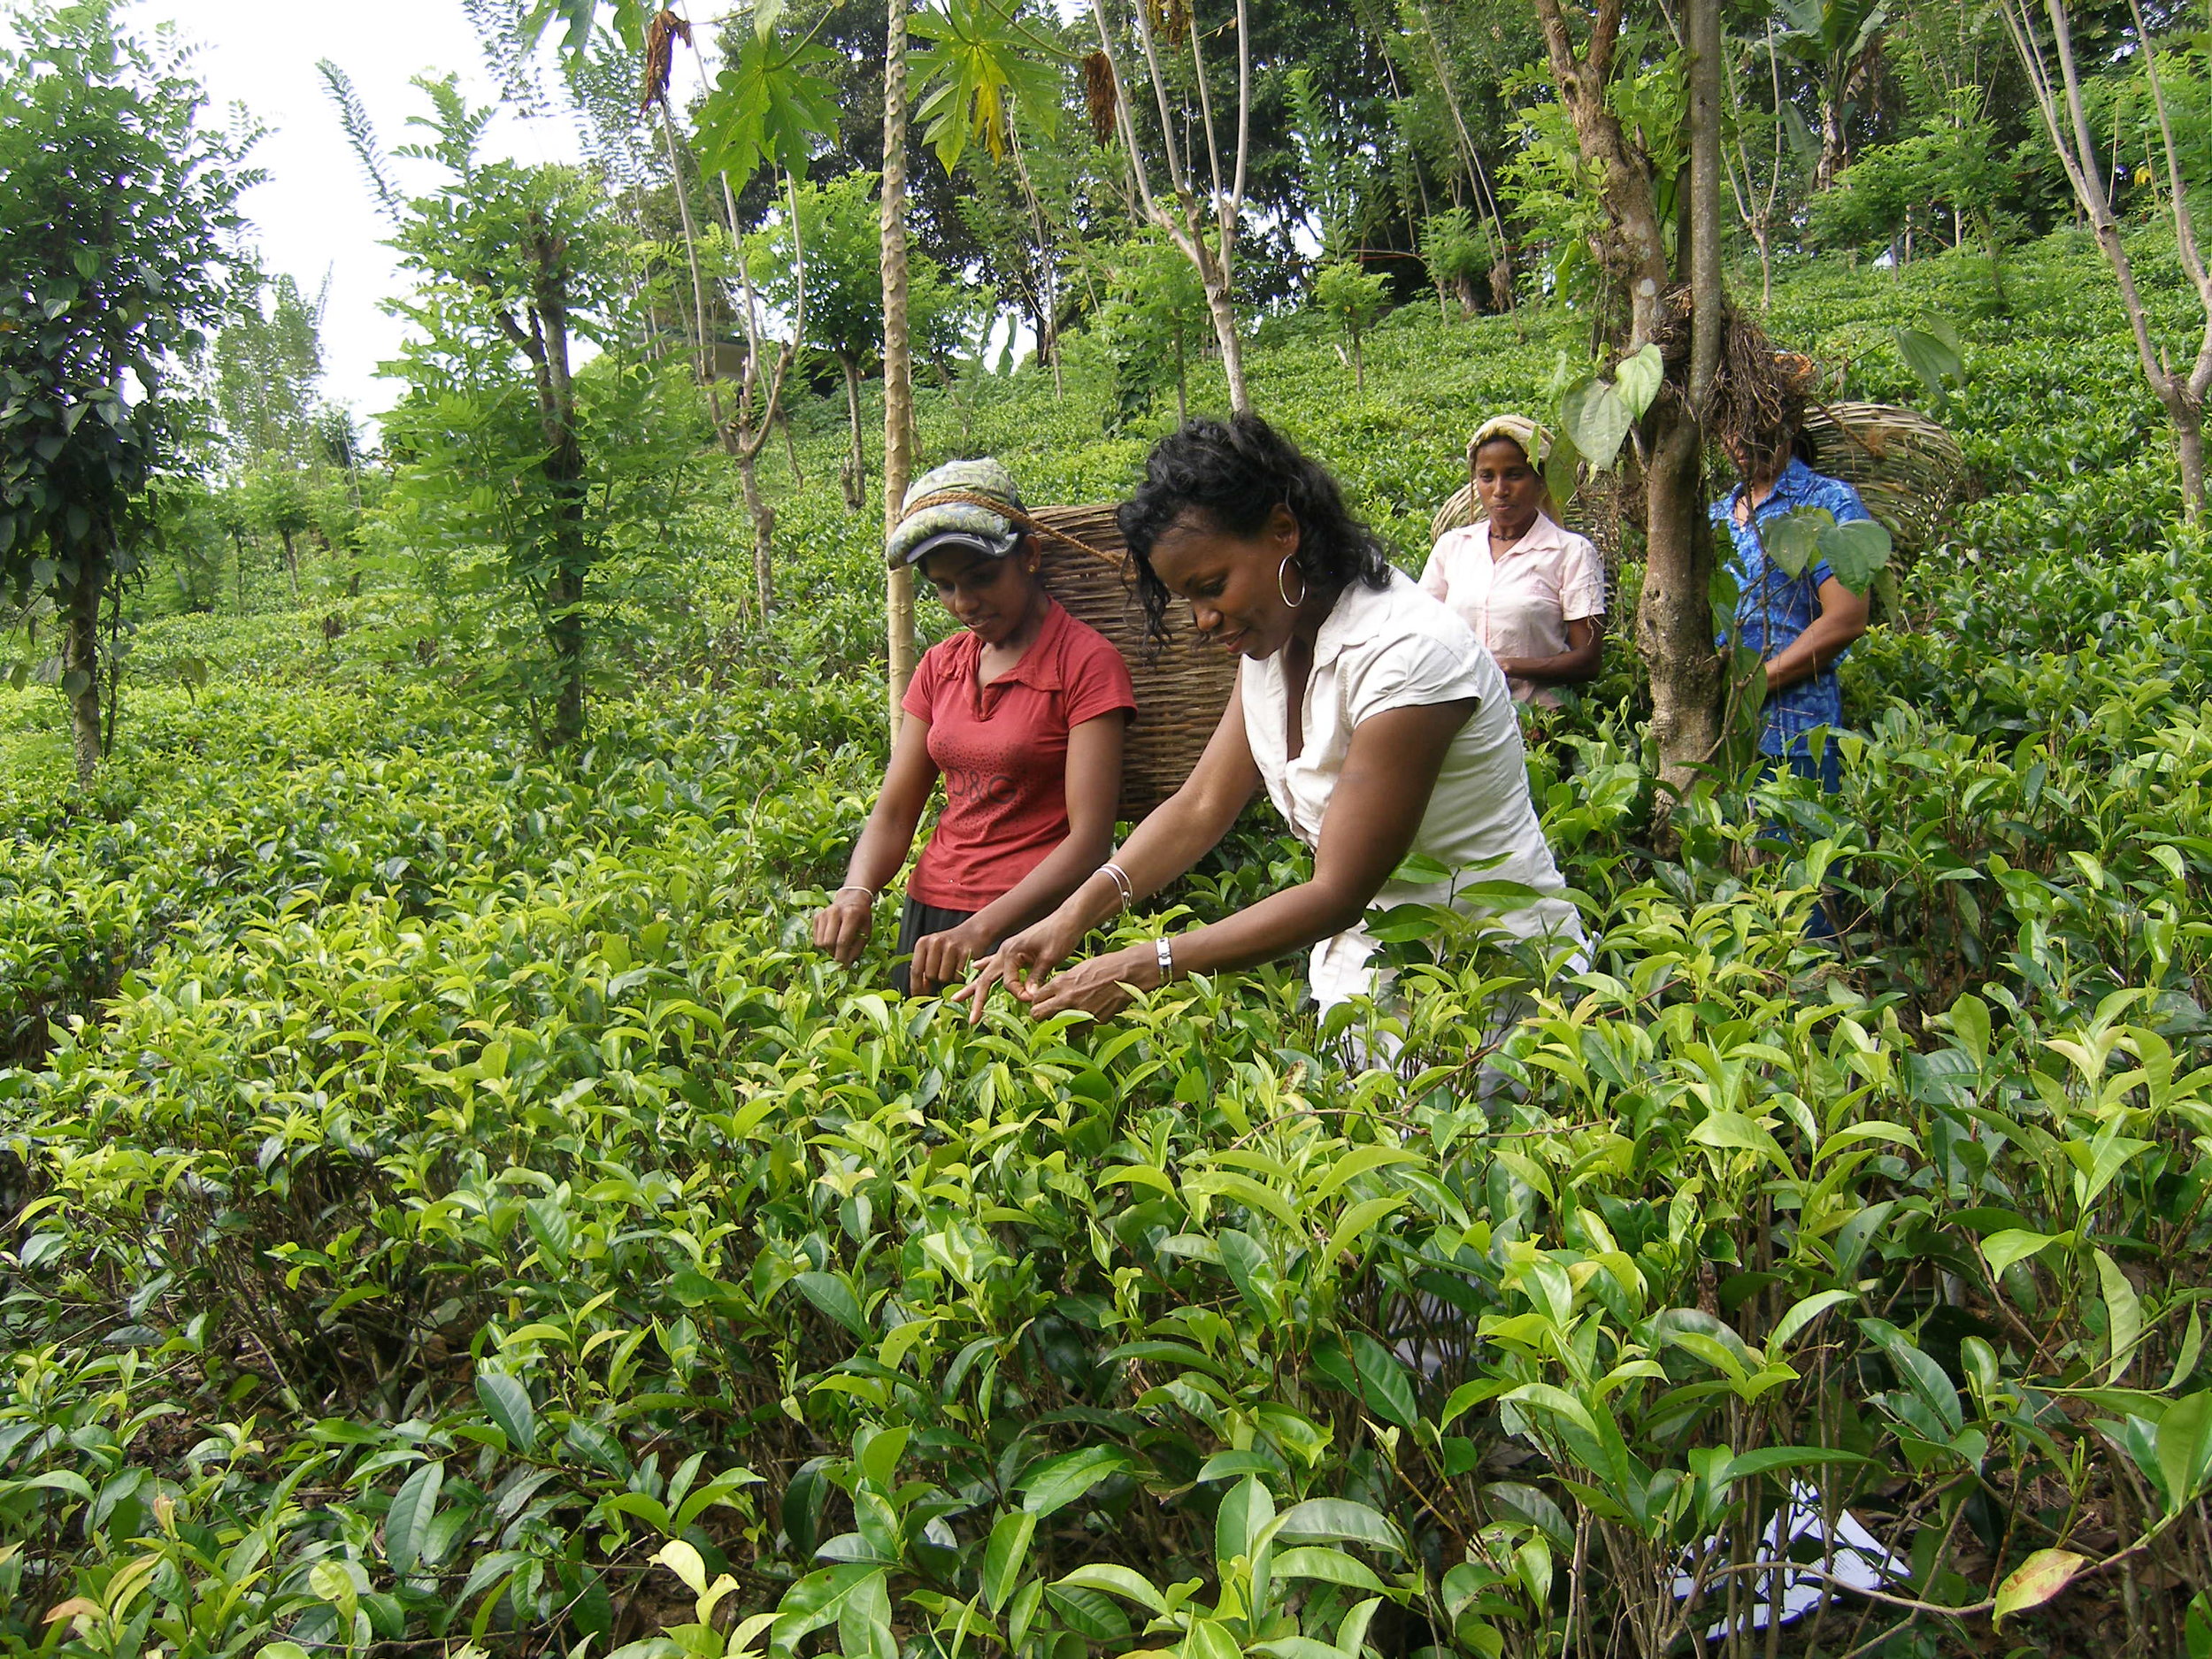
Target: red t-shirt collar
(1039,667)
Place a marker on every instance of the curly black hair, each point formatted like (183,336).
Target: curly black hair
(1236,471)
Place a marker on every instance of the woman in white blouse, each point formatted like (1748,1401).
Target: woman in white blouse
(1532,593)
(1364,708)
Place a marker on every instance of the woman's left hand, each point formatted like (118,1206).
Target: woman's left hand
(1099,987)
(942,958)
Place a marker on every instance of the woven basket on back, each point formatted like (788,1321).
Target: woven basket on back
(1181,685)
(1905,467)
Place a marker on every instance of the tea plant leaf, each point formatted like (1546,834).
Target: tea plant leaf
(2000,1250)
(1802,1314)
(1370,1373)
(1337,1520)
(1088,1613)
(2184,1449)
(1006,1554)
(834,1296)
(2037,1579)
(2124,1314)
(1116,1580)
(508,1402)
(1053,1485)
(1332,1566)
(413,1507)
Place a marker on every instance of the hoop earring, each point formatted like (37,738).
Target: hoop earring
(1283,587)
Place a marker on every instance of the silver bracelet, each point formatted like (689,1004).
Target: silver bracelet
(1120,878)
(854,887)
(1166,954)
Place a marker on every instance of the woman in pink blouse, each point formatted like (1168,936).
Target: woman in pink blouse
(1533,594)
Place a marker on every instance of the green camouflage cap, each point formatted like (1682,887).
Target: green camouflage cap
(954,504)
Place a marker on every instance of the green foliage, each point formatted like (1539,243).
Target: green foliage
(980,68)
(118,211)
(457,1206)
(266,367)
(1353,298)
(769,104)
(1453,256)
(523,472)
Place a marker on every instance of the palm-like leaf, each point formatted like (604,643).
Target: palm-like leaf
(768,105)
(981,59)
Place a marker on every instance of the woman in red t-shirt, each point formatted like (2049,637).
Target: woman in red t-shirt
(1021,714)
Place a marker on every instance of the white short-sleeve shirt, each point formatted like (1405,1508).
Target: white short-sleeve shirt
(1518,604)
(1396,649)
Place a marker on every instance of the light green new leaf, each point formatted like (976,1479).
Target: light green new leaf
(2000,1250)
(1637,379)
(1240,1524)
(1006,1554)
(1115,1580)
(2185,1449)
(1802,1314)
(2123,1314)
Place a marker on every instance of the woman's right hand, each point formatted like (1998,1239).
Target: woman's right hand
(1023,963)
(841,926)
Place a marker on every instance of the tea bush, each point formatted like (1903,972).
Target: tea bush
(455,1205)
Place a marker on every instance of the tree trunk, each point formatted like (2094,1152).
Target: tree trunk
(1831,161)
(791,451)
(853,473)
(291,564)
(1182,377)
(2189,445)
(763,530)
(1634,255)
(81,656)
(563,618)
(898,365)
(240,543)
(1674,618)
(1224,316)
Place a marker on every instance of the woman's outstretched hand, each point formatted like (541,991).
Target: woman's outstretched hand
(841,926)
(1100,986)
(1023,964)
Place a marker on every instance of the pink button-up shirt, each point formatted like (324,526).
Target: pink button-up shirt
(1519,605)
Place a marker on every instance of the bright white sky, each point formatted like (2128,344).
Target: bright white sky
(315,214)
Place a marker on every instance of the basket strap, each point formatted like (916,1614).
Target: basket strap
(1013,515)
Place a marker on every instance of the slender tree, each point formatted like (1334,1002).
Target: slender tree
(118,250)
(1203,213)
(2056,83)
(1674,631)
(902,649)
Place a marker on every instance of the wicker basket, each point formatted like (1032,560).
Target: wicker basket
(1181,686)
(1906,468)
